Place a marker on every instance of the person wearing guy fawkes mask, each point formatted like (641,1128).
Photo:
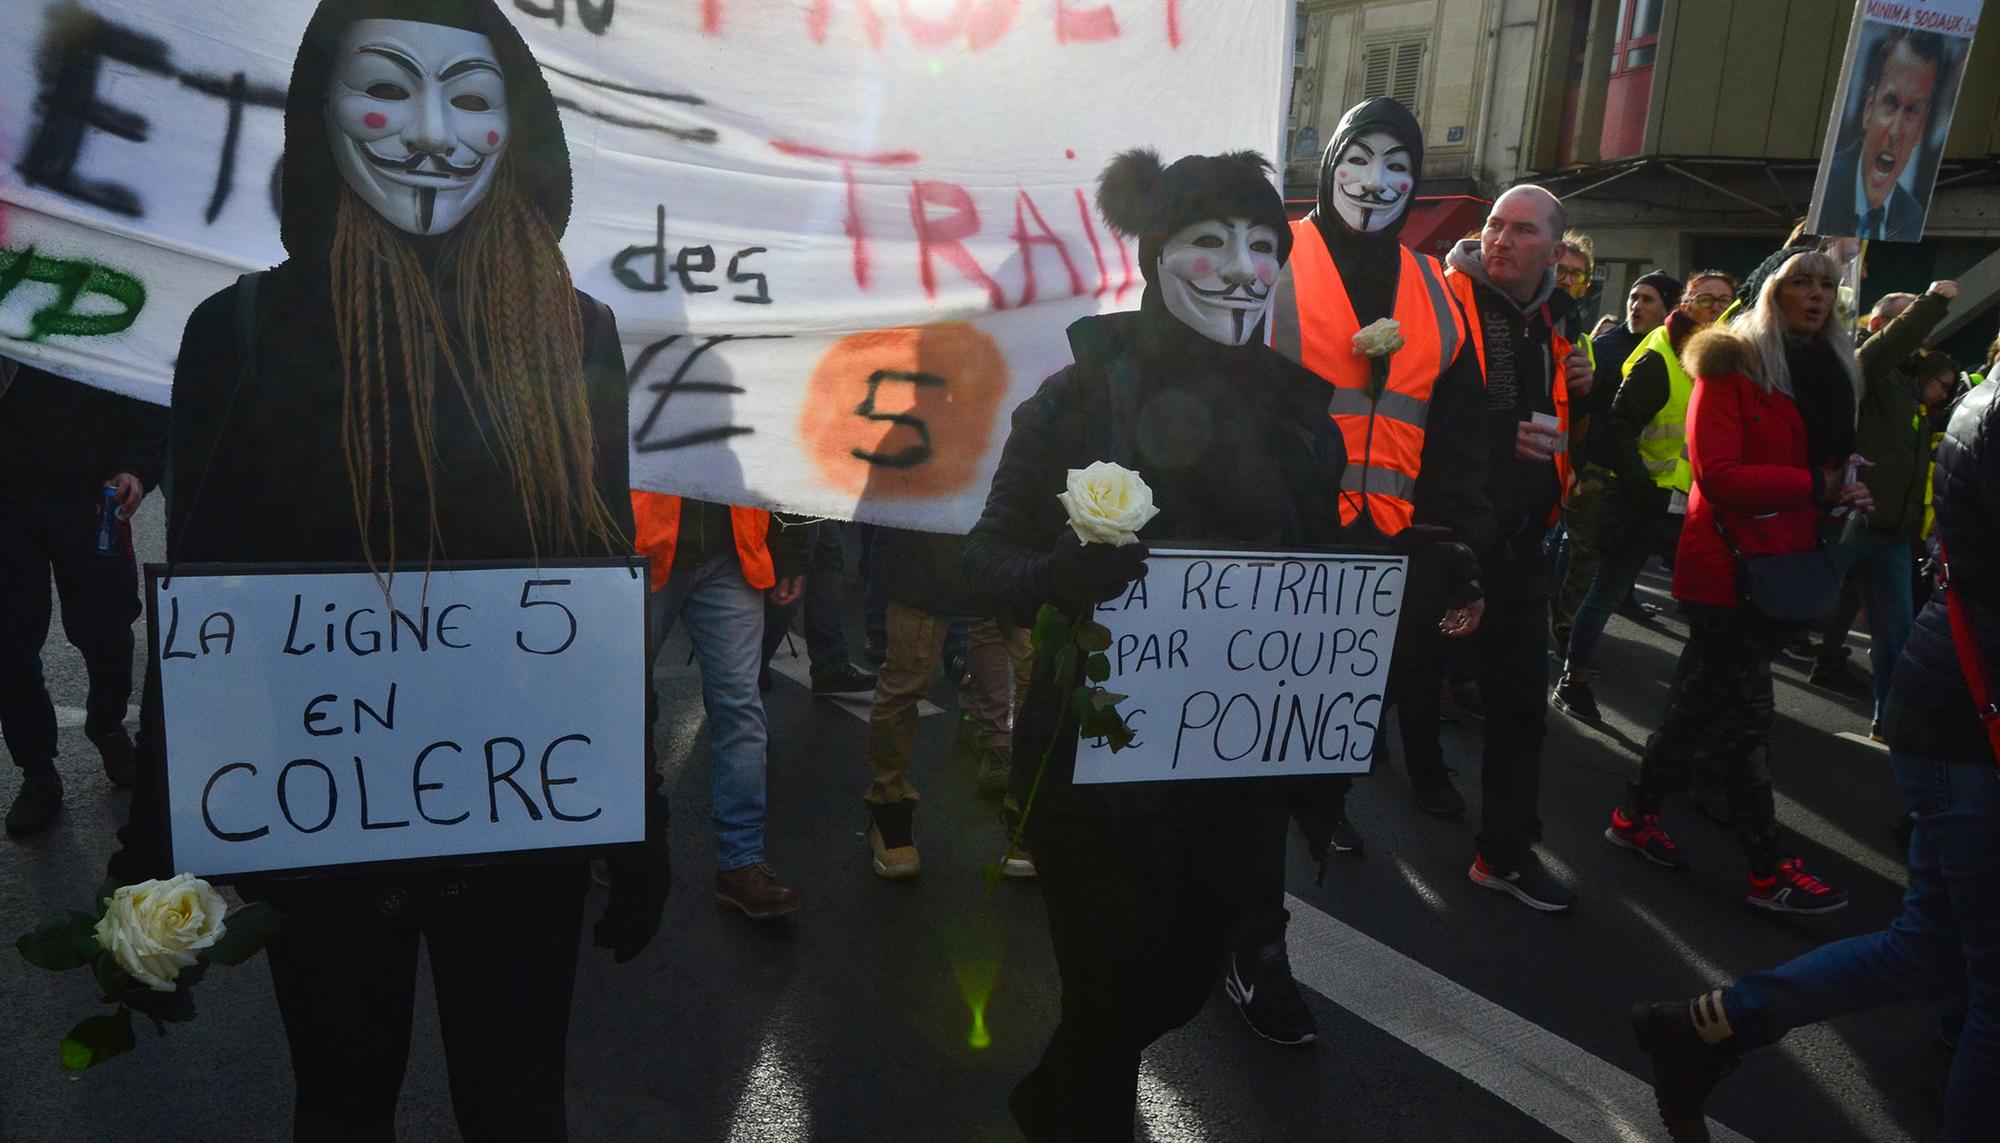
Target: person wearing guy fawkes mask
(424,317)
(1406,419)
(1145,882)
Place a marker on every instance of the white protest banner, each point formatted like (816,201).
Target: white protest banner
(1248,664)
(1891,117)
(843,238)
(308,724)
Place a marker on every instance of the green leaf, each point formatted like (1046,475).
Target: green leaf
(1097,668)
(1079,703)
(1121,736)
(1051,629)
(1092,636)
(61,945)
(246,933)
(97,1040)
(1106,700)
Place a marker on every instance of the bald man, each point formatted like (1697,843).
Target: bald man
(1504,279)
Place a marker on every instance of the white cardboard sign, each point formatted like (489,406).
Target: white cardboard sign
(1249,664)
(310,725)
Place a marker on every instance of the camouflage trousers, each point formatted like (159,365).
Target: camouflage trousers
(1721,704)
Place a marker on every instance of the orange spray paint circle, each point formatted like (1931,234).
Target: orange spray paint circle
(904,413)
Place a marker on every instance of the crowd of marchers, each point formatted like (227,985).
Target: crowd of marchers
(1795,465)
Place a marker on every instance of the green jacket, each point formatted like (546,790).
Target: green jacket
(1889,430)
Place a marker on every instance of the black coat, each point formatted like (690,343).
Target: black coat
(1633,515)
(1253,462)
(1928,676)
(59,436)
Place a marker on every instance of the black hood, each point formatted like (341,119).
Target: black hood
(537,152)
(1378,114)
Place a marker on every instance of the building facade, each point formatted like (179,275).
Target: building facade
(1681,134)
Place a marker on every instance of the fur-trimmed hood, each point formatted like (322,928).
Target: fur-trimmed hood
(1718,352)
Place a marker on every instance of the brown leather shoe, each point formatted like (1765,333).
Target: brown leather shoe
(755,890)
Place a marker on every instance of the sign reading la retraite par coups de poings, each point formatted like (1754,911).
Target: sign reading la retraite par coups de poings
(313,721)
(1248,664)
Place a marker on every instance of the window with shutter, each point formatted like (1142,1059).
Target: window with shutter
(1393,68)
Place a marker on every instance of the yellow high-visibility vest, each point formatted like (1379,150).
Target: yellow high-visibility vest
(1663,442)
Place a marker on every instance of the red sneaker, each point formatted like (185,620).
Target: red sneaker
(1643,836)
(1792,890)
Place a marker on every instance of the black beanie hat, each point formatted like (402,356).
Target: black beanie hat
(1142,200)
(1668,286)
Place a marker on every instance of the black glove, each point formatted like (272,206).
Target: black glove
(1083,575)
(640,878)
(1451,567)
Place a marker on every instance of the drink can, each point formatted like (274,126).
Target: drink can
(110,524)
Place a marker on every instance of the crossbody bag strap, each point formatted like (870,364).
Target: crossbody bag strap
(1965,642)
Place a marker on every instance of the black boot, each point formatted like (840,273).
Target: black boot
(1692,1047)
(115,747)
(38,802)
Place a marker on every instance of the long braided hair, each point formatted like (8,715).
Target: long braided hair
(512,346)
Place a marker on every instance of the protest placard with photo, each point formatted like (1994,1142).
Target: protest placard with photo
(1891,116)
(313,723)
(1248,664)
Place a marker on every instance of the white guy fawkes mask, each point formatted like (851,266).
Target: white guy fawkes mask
(1371,182)
(417,116)
(1216,276)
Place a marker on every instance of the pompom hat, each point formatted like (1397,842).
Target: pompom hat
(1143,200)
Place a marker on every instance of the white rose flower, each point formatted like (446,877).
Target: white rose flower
(1107,504)
(1382,337)
(156,928)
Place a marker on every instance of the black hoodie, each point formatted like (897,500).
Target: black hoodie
(1451,477)
(255,441)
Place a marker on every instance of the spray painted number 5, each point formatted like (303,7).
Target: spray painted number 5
(568,615)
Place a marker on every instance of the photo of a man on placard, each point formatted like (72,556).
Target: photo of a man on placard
(1891,137)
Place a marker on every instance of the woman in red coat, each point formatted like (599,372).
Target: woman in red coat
(1770,428)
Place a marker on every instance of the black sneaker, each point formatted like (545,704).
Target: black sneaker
(1829,671)
(1342,836)
(115,747)
(1440,799)
(1261,984)
(1530,884)
(1685,1067)
(1636,611)
(845,679)
(37,803)
(1573,698)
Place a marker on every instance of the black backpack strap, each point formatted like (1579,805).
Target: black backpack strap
(246,354)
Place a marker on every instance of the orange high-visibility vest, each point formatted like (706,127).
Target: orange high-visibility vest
(1559,347)
(1313,323)
(657,517)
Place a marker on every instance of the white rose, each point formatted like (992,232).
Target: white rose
(155,929)
(1107,504)
(1382,337)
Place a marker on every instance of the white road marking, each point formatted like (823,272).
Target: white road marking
(1563,1087)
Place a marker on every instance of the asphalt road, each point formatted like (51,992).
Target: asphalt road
(1447,1013)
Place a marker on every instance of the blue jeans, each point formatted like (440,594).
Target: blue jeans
(1881,564)
(1945,944)
(725,621)
(1617,572)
